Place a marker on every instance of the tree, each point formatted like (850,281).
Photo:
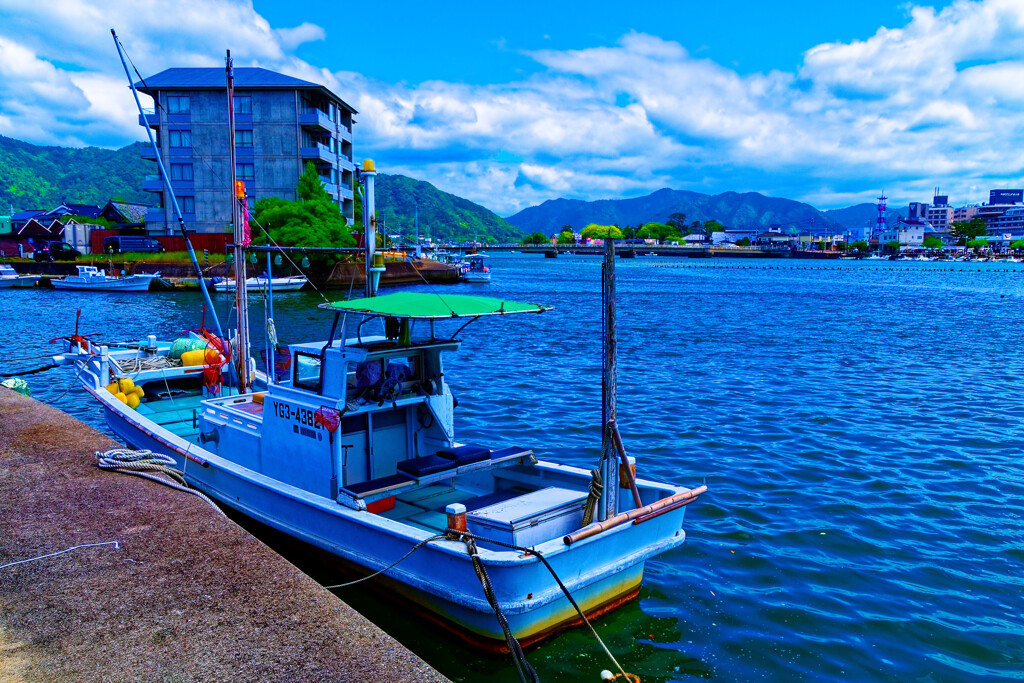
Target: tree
(600,232)
(843,246)
(932,242)
(313,221)
(969,230)
(745,242)
(658,231)
(678,221)
(892,246)
(977,244)
(860,245)
(535,238)
(1017,244)
(629,232)
(712,226)
(566,237)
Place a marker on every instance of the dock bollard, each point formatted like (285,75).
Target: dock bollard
(456,519)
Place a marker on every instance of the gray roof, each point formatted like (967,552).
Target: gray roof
(214,78)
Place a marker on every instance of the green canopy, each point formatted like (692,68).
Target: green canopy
(418,305)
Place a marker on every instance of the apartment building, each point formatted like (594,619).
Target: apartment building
(281,123)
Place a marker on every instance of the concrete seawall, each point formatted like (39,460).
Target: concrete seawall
(188,596)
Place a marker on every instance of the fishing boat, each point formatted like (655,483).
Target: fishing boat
(259,284)
(354,452)
(9,277)
(95,279)
(474,269)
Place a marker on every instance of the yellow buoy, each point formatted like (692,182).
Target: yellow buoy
(126,384)
(112,387)
(138,391)
(133,400)
(121,397)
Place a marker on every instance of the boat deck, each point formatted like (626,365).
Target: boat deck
(179,415)
(424,507)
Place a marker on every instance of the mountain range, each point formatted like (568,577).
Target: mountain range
(746,210)
(41,177)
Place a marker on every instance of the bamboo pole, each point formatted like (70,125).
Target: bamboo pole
(625,463)
(622,518)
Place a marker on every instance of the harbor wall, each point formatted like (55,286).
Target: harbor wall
(187,595)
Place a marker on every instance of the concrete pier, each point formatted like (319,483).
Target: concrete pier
(188,596)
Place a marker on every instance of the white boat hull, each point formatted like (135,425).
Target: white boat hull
(439,578)
(277,284)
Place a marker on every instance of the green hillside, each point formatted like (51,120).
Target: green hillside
(35,177)
(442,216)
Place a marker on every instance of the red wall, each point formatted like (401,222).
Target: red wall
(216,243)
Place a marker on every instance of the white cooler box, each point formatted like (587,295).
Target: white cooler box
(530,519)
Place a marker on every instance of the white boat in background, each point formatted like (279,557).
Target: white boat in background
(474,269)
(259,284)
(876,257)
(94,279)
(9,277)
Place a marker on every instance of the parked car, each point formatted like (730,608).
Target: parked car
(117,244)
(55,251)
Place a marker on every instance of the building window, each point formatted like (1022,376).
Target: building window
(181,171)
(243,138)
(177,104)
(243,104)
(180,138)
(245,171)
(188,204)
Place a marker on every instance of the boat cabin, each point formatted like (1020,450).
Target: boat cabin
(360,422)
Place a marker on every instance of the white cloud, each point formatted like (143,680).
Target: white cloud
(305,32)
(933,102)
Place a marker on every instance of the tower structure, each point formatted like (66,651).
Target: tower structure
(881,225)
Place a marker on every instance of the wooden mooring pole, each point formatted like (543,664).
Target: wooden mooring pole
(608,506)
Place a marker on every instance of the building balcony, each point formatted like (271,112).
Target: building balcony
(346,192)
(148,153)
(150,118)
(155,215)
(314,118)
(152,183)
(319,152)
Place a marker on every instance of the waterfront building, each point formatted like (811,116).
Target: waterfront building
(999,203)
(908,232)
(940,213)
(281,123)
(964,213)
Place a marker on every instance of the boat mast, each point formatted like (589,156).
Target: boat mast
(608,505)
(170,193)
(237,195)
(373,271)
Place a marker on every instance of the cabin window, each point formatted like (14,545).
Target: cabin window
(307,371)
(383,378)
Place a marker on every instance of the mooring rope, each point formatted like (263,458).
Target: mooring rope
(530,551)
(117,546)
(140,463)
(29,372)
(390,566)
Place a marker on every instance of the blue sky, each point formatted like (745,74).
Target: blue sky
(512,105)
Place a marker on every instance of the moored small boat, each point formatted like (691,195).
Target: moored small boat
(92,278)
(11,278)
(259,284)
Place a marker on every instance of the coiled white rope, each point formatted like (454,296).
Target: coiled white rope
(141,463)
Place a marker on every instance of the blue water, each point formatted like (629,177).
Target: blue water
(858,425)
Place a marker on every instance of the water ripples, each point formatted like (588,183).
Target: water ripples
(859,430)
